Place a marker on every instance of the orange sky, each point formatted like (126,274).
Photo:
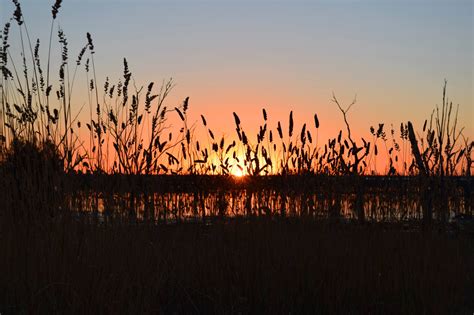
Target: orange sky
(268,54)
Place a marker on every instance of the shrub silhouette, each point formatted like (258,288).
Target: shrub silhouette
(31,176)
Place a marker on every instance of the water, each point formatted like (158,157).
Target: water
(380,205)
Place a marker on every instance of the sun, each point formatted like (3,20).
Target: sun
(237,172)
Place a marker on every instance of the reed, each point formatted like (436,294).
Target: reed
(130,211)
(129,131)
(241,266)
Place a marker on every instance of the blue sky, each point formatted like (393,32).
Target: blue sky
(282,55)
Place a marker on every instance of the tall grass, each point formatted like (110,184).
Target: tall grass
(238,267)
(129,131)
(82,202)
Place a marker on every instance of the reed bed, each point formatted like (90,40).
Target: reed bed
(197,197)
(241,266)
(129,132)
(92,212)
(129,129)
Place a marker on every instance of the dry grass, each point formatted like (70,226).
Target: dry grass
(129,128)
(262,266)
(275,257)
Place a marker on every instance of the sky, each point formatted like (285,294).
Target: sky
(243,56)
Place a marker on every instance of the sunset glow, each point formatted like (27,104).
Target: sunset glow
(227,64)
(237,172)
(231,56)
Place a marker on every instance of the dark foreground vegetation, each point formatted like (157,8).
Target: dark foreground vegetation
(239,266)
(130,213)
(60,259)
